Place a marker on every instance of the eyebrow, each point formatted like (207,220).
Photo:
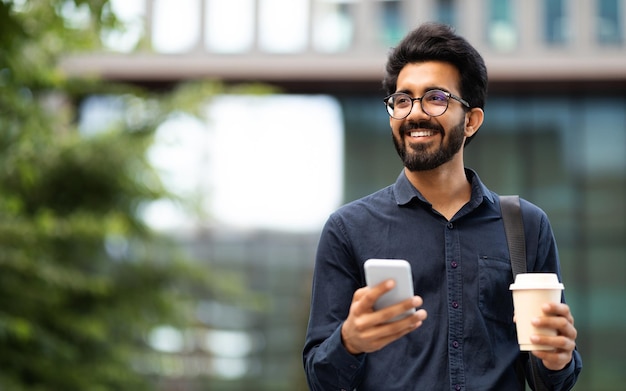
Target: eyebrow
(430,88)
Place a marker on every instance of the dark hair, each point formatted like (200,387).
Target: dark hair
(439,42)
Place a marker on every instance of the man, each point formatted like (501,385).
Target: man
(442,219)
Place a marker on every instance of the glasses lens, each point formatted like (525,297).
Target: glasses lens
(399,105)
(435,102)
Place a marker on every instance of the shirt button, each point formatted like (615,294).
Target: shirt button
(450,225)
(454,264)
(455,304)
(455,344)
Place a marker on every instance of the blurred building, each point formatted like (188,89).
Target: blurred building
(555,132)
(325,45)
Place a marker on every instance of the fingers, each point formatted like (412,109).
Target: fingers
(365,336)
(558,309)
(364,298)
(389,332)
(366,330)
(367,296)
(557,317)
(559,343)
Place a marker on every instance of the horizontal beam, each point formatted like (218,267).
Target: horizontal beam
(348,68)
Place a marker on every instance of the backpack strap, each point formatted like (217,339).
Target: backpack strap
(514,230)
(516,241)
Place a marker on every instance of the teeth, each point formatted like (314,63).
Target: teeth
(422,133)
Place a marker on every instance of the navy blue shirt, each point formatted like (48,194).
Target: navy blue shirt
(461,268)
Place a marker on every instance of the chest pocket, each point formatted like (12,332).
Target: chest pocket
(495,299)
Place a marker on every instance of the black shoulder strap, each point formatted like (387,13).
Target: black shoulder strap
(514,229)
(515,238)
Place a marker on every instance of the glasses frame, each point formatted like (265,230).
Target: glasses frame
(420,99)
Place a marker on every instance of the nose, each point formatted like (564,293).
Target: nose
(417,112)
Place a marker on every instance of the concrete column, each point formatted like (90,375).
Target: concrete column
(148,26)
(200,46)
(256,28)
(310,28)
(366,25)
(529,25)
(583,22)
(418,12)
(472,21)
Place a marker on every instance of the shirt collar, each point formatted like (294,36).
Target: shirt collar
(405,192)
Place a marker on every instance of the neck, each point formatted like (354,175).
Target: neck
(446,187)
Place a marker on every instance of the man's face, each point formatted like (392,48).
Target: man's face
(424,142)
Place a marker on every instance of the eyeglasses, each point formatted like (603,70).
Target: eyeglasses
(434,103)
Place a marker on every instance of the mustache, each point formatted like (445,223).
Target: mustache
(412,125)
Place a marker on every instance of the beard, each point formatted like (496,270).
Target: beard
(416,157)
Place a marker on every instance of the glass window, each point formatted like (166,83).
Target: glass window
(392,23)
(176,26)
(603,136)
(270,144)
(609,28)
(229,25)
(283,25)
(333,26)
(132,15)
(501,33)
(445,12)
(556,26)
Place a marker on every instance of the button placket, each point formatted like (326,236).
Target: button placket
(455,294)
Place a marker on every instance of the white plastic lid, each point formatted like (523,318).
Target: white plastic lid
(536,281)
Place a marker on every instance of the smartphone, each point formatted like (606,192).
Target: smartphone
(399,270)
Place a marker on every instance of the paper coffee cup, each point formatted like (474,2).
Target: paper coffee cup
(530,292)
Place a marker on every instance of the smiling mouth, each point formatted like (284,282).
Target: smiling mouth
(422,133)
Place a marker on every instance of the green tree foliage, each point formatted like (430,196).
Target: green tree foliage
(82,279)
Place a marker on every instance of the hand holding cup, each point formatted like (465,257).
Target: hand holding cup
(531,291)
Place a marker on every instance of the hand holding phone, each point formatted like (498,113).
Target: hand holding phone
(399,270)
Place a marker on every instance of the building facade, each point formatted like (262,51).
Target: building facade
(555,131)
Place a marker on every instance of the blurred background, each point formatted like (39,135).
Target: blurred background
(167,167)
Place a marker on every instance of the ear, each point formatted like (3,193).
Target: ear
(473,120)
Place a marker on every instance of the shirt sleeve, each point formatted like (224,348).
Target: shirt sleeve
(328,365)
(565,378)
(331,367)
